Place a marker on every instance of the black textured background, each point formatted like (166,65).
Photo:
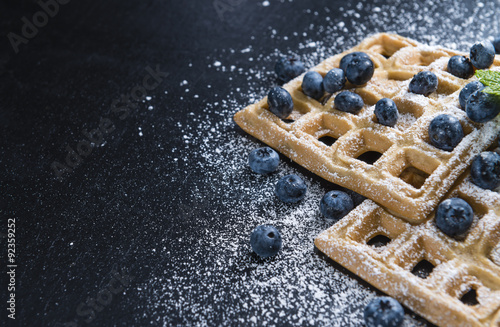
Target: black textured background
(125,197)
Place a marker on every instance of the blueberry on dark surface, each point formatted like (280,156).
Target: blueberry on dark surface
(467,91)
(280,102)
(460,66)
(384,312)
(445,132)
(496,44)
(335,205)
(424,83)
(482,54)
(386,112)
(485,170)
(265,241)
(290,189)
(482,107)
(263,160)
(454,216)
(359,70)
(334,80)
(348,57)
(348,102)
(312,85)
(288,68)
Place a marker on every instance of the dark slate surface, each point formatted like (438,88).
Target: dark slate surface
(121,200)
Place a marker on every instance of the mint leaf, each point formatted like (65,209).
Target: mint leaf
(494,89)
(488,78)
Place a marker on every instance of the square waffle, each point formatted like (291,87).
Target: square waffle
(391,254)
(411,175)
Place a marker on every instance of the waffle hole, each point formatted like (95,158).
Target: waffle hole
(370,157)
(287,121)
(327,140)
(470,298)
(379,241)
(423,269)
(414,176)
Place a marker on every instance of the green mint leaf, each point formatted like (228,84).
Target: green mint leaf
(494,89)
(488,77)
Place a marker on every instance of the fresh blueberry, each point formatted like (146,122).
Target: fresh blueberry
(312,85)
(482,107)
(348,57)
(485,170)
(496,44)
(460,66)
(265,241)
(290,189)
(335,205)
(386,112)
(424,83)
(445,132)
(359,70)
(280,102)
(384,311)
(288,68)
(349,102)
(482,54)
(454,216)
(263,160)
(467,91)
(334,80)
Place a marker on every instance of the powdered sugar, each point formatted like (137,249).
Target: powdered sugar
(219,282)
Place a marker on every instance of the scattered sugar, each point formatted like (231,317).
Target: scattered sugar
(219,282)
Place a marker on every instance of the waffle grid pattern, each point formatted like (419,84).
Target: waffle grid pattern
(411,175)
(458,268)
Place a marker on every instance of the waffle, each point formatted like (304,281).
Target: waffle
(411,175)
(419,265)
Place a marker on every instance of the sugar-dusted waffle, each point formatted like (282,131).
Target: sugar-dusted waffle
(428,271)
(411,175)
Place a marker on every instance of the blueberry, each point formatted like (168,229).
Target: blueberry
(348,57)
(424,83)
(384,311)
(485,170)
(263,160)
(359,70)
(467,91)
(312,85)
(386,112)
(460,66)
(482,107)
(482,54)
(454,216)
(349,102)
(445,132)
(280,102)
(265,241)
(290,189)
(288,68)
(335,205)
(496,44)
(334,80)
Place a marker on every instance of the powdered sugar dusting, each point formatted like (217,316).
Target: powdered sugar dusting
(219,281)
